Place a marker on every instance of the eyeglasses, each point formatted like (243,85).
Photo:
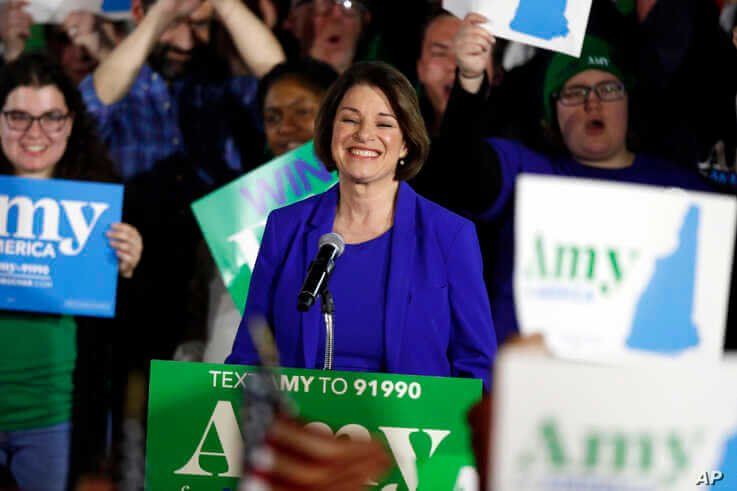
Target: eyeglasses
(576,95)
(51,122)
(350,8)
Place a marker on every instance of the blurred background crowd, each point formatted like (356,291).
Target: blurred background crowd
(188,95)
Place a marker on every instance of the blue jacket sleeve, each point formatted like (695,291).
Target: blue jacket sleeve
(473,342)
(513,159)
(260,297)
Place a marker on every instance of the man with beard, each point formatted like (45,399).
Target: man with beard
(164,103)
(162,92)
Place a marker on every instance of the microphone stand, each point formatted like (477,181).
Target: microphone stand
(328,309)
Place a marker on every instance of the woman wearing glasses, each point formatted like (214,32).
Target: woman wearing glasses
(587,111)
(45,133)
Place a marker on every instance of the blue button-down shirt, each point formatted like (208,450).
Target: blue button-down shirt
(188,120)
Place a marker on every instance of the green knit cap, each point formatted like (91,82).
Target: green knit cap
(595,55)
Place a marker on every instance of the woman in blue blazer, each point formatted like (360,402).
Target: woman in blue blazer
(409,291)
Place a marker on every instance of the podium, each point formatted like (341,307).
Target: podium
(194,441)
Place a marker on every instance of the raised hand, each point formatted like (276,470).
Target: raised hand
(15,27)
(128,246)
(472,46)
(173,10)
(91,32)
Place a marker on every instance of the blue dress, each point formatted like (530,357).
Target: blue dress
(359,293)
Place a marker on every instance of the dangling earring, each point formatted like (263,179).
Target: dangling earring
(401,161)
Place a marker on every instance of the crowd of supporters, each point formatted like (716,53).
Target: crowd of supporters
(188,95)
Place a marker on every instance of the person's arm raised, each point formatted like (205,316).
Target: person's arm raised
(116,74)
(91,32)
(256,44)
(463,172)
(473,45)
(15,28)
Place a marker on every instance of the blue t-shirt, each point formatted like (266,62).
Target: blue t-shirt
(514,159)
(359,294)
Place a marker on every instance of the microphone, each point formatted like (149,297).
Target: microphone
(331,246)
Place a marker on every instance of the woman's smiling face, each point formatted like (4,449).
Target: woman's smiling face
(34,150)
(289,115)
(367,141)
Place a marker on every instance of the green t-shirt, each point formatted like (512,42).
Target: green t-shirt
(37,358)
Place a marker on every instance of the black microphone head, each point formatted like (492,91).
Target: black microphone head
(334,240)
(305,301)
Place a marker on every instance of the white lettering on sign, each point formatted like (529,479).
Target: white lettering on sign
(50,214)
(81,229)
(292,383)
(247,247)
(228,434)
(404,454)
(226,425)
(11,247)
(231,379)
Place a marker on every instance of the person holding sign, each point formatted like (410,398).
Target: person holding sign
(408,290)
(586,103)
(46,133)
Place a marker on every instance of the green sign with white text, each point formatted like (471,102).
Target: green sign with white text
(233,218)
(194,440)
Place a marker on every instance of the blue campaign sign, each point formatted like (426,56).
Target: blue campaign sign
(116,6)
(54,254)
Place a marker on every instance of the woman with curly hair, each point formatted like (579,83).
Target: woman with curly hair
(46,133)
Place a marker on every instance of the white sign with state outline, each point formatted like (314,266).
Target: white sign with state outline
(613,272)
(557,25)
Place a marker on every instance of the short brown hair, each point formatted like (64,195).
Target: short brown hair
(403,101)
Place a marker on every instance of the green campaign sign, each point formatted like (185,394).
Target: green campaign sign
(233,218)
(194,441)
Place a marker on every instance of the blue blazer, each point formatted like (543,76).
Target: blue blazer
(437,313)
